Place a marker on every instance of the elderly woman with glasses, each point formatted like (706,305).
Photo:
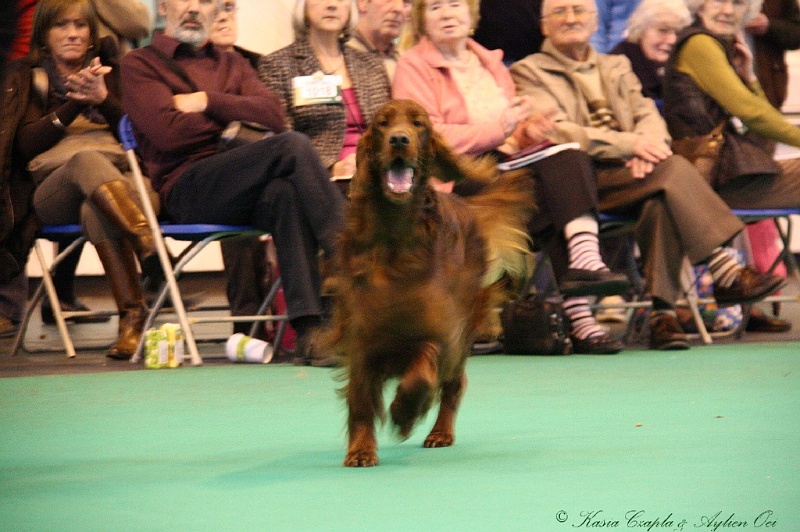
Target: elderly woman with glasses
(710,84)
(710,80)
(651,33)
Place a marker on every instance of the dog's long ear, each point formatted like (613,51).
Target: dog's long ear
(361,177)
(445,164)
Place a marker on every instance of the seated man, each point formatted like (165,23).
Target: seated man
(600,105)
(380,23)
(180,94)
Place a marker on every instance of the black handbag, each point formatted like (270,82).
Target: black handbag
(534,324)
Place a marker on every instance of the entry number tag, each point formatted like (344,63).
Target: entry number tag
(317,89)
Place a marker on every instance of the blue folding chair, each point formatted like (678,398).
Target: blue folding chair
(615,225)
(199,236)
(63,234)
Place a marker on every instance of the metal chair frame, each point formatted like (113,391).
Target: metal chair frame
(58,234)
(614,225)
(200,235)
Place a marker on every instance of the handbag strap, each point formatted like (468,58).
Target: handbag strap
(174,66)
(539,270)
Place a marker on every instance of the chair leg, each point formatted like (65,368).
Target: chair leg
(52,296)
(691,299)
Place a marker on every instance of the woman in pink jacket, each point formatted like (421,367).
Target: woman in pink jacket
(469,95)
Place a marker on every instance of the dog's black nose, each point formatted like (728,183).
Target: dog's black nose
(399,140)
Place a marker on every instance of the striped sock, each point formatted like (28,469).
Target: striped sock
(581,318)
(723,268)
(584,252)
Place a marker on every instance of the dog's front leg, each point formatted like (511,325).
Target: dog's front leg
(416,389)
(443,432)
(363,401)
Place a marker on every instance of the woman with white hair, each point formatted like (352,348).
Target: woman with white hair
(710,80)
(650,35)
(710,85)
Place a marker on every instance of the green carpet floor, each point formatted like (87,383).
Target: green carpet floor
(700,440)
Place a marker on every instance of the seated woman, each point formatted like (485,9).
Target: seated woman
(469,94)
(319,58)
(651,33)
(68,109)
(709,82)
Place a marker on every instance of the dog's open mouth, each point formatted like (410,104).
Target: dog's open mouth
(399,177)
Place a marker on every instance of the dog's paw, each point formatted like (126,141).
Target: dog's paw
(361,459)
(438,439)
(410,405)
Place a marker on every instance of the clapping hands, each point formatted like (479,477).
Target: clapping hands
(88,85)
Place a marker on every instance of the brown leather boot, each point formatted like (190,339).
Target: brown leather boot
(119,263)
(116,200)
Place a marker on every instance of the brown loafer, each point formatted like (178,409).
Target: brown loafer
(764,323)
(666,333)
(7,327)
(578,282)
(748,287)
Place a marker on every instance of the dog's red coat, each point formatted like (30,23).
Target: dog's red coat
(411,289)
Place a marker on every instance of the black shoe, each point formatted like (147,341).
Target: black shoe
(307,352)
(748,287)
(593,283)
(764,323)
(75,306)
(666,333)
(486,348)
(7,327)
(596,345)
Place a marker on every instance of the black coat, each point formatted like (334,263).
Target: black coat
(18,222)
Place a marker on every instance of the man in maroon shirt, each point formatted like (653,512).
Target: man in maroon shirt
(179,102)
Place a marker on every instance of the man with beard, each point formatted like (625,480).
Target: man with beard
(181,93)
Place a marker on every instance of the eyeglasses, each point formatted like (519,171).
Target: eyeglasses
(737,4)
(665,31)
(229,7)
(561,13)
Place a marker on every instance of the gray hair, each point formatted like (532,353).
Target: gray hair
(301,27)
(648,11)
(753,9)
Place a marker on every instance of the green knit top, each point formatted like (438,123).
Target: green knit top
(703,59)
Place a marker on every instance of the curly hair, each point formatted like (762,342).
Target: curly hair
(648,11)
(753,8)
(417,23)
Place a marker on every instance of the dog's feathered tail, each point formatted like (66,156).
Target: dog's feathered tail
(502,209)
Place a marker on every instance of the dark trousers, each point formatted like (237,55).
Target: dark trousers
(246,274)
(279,185)
(13,296)
(566,188)
(678,215)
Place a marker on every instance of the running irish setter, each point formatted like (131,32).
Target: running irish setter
(416,274)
